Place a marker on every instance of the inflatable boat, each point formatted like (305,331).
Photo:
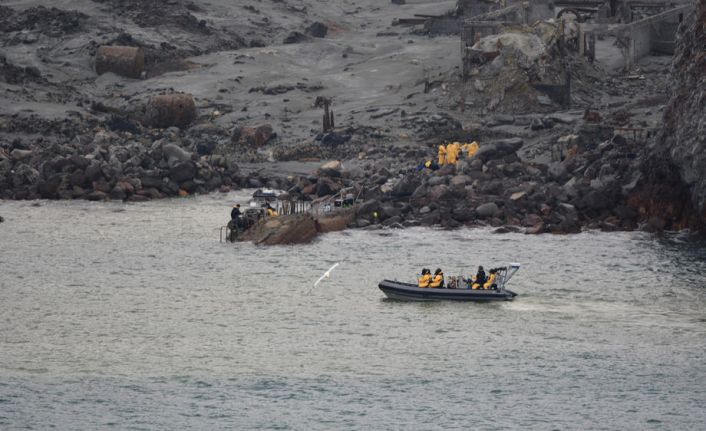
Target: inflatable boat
(410,292)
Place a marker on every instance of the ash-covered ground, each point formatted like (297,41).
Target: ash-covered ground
(260,72)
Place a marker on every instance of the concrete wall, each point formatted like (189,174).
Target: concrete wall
(640,43)
(651,33)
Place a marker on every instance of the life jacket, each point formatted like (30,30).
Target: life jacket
(425,280)
(438,280)
(491,280)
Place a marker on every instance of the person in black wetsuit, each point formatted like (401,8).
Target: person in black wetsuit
(235,217)
(235,213)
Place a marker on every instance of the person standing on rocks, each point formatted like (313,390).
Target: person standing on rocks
(442,155)
(452,151)
(471,149)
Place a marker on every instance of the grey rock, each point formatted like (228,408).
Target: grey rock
(175,154)
(294,37)
(435,181)
(18,154)
(182,171)
(406,186)
(368,207)
(317,29)
(557,172)
(499,149)
(97,196)
(460,181)
(487,210)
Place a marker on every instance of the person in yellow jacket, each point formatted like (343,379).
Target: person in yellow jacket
(271,212)
(425,279)
(471,149)
(442,155)
(491,280)
(438,280)
(452,151)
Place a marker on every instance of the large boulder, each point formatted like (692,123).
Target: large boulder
(439,193)
(49,187)
(174,154)
(331,169)
(460,181)
(368,207)
(18,154)
(499,149)
(326,186)
(463,212)
(487,210)
(406,186)
(182,171)
(317,29)
(295,37)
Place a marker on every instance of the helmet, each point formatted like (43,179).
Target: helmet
(438,271)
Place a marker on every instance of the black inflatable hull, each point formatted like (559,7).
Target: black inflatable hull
(410,292)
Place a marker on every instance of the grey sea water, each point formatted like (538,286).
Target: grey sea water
(136,317)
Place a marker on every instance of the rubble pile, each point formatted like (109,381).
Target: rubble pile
(100,164)
(506,65)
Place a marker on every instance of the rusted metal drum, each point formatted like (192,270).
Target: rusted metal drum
(127,61)
(167,110)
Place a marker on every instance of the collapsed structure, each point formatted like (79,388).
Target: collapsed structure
(531,48)
(639,27)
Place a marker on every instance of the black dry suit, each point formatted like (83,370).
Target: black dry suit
(235,213)
(480,276)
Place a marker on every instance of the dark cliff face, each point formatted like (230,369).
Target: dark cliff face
(674,189)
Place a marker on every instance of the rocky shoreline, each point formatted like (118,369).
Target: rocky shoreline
(553,170)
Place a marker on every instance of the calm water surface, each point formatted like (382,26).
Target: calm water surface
(136,317)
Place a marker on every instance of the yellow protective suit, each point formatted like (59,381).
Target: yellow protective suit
(442,155)
(491,280)
(452,151)
(425,280)
(471,149)
(438,280)
(271,212)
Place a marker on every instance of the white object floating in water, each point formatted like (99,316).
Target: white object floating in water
(327,274)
